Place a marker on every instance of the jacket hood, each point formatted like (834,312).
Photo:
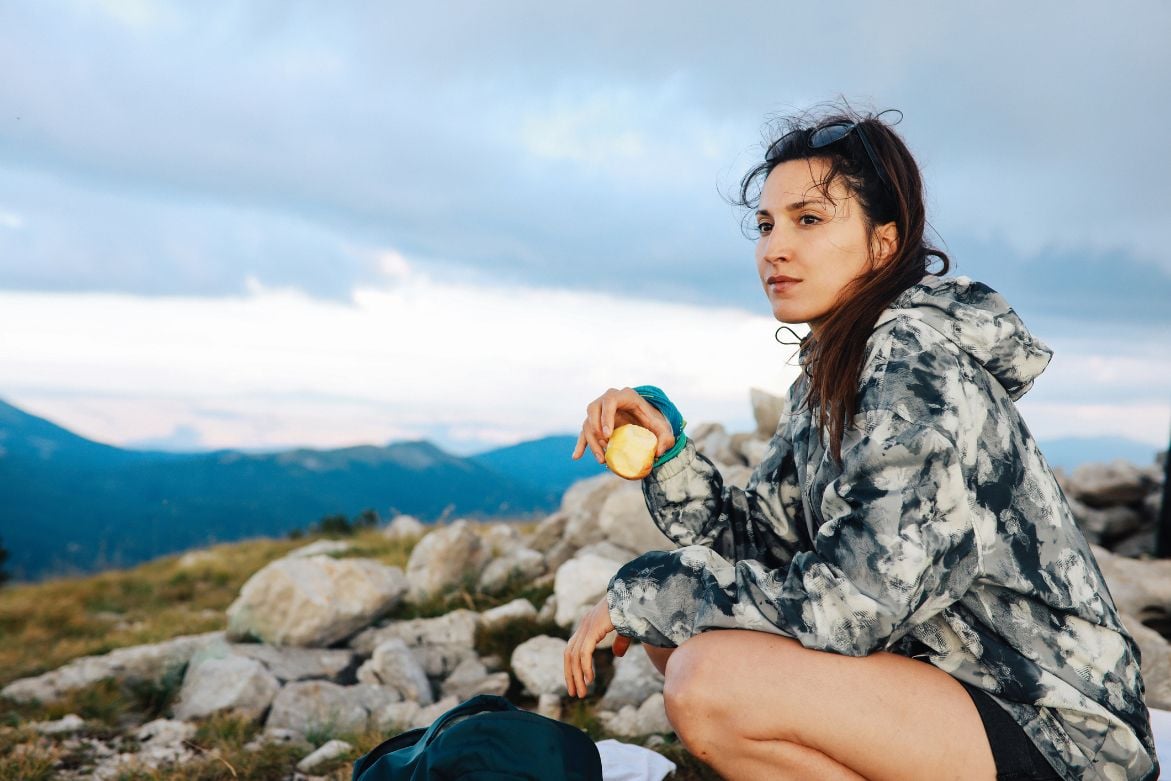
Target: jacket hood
(981,322)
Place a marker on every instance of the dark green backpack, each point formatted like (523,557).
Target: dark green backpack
(486,738)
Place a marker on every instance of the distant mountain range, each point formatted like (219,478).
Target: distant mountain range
(71,505)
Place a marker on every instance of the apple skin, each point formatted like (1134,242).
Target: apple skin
(630,453)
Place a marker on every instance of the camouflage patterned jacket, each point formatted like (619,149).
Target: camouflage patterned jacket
(942,535)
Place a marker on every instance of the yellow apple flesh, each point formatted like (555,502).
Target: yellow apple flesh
(630,452)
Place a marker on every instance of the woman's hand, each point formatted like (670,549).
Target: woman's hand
(615,408)
(579,654)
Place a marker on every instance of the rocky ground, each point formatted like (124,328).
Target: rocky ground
(326,651)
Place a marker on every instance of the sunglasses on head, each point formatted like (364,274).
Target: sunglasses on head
(824,136)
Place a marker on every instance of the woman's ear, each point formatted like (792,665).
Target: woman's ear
(885,243)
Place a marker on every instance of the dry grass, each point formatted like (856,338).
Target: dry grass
(44,625)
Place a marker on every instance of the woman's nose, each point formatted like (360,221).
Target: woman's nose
(777,246)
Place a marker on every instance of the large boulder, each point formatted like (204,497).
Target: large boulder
(393,665)
(327,709)
(314,601)
(142,663)
(539,663)
(220,681)
(445,559)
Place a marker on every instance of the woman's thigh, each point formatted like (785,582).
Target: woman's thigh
(884,716)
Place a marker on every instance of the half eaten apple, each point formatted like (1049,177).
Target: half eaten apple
(630,452)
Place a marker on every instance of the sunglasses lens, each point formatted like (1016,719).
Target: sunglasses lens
(824,136)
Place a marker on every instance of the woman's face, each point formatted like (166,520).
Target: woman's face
(810,248)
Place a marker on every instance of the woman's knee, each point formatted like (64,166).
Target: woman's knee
(692,690)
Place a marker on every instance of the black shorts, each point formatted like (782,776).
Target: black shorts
(1017,758)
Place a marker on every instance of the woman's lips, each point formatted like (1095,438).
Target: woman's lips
(779,284)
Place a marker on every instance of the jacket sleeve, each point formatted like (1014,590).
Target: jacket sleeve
(689,502)
(897,546)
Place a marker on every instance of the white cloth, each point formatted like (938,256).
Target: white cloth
(628,762)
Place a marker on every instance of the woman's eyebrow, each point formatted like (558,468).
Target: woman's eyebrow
(802,204)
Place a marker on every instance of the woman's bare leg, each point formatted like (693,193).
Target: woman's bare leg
(658,656)
(757,705)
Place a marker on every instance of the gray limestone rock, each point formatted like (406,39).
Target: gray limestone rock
(220,681)
(445,559)
(538,663)
(394,665)
(314,601)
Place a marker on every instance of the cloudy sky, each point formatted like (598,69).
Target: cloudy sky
(268,224)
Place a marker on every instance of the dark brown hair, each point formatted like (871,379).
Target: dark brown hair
(833,361)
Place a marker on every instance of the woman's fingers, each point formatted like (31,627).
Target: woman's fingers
(650,418)
(580,447)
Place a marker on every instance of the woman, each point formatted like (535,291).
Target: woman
(902,590)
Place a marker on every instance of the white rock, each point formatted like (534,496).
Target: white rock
(635,679)
(164,742)
(298,664)
(549,706)
(539,664)
(126,665)
(623,520)
(404,527)
(396,717)
(548,532)
(197,558)
(63,726)
(629,722)
(548,611)
(314,601)
(753,451)
(581,583)
(220,681)
(516,610)
(425,716)
(320,707)
(330,751)
(1102,485)
(500,538)
(439,644)
(768,410)
(445,559)
(518,565)
(319,548)
(713,441)
(472,678)
(393,665)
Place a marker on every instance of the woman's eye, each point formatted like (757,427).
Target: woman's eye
(763,227)
(812,217)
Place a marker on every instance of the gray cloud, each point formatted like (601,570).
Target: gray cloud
(185,151)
